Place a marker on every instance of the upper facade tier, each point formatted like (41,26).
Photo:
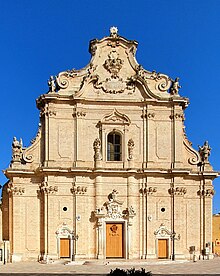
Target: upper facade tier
(114,74)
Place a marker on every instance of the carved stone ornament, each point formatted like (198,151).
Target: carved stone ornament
(178,116)
(78,190)
(116,117)
(17,148)
(112,209)
(113,31)
(163,231)
(48,112)
(113,64)
(45,188)
(174,90)
(97,149)
(130,149)
(204,152)
(64,231)
(206,193)
(79,114)
(15,190)
(149,190)
(196,158)
(52,84)
(114,85)
(177,191)
(163,82)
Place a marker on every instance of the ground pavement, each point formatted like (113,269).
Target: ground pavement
(201,267)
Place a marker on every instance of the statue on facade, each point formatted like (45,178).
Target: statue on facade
(97,149)
(174,90)
(16,150)
(130,149)
(52,84)
(204,152)
(113,31)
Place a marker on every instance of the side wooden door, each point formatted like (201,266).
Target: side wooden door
(64,248)
(162,248)
(114,240)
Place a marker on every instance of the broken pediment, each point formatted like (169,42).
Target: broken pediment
(114,71)
(116,117)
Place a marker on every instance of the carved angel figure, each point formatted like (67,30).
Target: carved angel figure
(52,84)
(204,152)
(174,90)
(16,149)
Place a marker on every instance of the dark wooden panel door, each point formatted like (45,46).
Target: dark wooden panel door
(114,240)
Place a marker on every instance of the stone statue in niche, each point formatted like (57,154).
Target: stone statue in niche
(174,90)
(97,149)
(204,152)
(16,150)
(52,84)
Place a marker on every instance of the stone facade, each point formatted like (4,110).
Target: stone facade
(216,234)
(111,172)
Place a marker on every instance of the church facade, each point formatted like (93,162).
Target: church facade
(111,173)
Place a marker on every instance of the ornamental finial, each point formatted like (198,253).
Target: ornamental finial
(113,31)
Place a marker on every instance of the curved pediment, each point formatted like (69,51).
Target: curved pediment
(113,72)
(116,117)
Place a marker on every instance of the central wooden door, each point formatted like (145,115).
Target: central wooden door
(64,248)
(114,240)
(162,248)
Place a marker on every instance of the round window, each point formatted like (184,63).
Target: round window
(64,209)
(162,209)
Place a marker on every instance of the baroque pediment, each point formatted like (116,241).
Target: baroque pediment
(116,117)
(114,71)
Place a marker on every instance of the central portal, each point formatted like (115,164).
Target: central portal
(114,240)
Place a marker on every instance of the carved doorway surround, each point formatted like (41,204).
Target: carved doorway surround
(64,241)
(162,242)
(111,218)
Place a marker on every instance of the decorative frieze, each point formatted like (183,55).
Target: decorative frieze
(148,115)
(15,190)
(206,193)
(79,190)
(79,114)
(178,116)
(45,111)
(45,188)
(148,190)
(177,191)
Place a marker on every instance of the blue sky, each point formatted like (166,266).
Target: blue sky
(42,38)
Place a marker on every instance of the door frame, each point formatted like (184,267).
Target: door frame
(64,232)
